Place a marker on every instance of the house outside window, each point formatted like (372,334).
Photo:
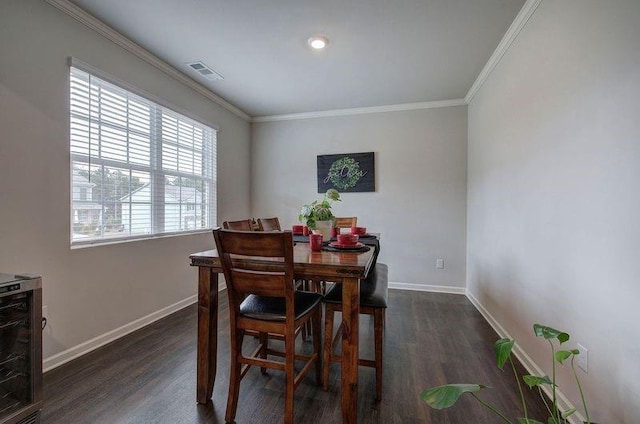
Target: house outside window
(139,168)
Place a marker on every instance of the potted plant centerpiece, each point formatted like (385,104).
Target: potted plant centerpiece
(317,215)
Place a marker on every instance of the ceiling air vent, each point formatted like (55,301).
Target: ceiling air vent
(205,71)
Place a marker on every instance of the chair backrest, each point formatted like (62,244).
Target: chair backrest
(346,222)
(243,225)
(244,277)
(268,224)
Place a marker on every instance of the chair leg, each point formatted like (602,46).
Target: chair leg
(264,341)
(317,344)
(328,346)
(290,352)
(234,375)
(306,284)
(316,287)
(378,319)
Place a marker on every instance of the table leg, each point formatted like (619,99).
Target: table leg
(207,332)
(350,317)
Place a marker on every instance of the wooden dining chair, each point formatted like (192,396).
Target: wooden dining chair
(263,298)
(374,293)
(346,222)
(268,224)
(243,225)
(320,285)
(340,222)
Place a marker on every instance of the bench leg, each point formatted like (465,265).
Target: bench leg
(378,320)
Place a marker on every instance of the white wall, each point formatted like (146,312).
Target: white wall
(553,193)
(94,290)
(420,199)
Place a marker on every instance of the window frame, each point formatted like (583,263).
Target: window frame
(157,174)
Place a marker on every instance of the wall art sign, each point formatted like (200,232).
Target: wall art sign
(347,172)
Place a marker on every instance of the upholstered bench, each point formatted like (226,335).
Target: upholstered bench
(374,294)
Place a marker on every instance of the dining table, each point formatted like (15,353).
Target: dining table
(340,266)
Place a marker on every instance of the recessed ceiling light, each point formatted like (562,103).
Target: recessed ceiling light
(318,42)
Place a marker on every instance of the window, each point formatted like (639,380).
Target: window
(139,169)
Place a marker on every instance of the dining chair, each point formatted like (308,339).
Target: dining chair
(346,222)
(263,298)
(268,224)
(340,222)
(243,225)
(322,286)
(374,293)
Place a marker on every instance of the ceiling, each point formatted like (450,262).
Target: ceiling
(380,52)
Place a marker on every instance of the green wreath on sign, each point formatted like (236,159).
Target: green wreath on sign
(345,173)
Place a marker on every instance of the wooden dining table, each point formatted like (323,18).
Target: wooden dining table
(345,267)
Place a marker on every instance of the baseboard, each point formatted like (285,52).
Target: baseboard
(93,344)
(427,288)
(525,359)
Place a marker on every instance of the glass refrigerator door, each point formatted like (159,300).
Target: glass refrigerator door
(16,389)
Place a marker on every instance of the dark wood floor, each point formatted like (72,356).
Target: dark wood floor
(149,376)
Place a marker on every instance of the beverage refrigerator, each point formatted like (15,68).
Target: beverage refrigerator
(20,348)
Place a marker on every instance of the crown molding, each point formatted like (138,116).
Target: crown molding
(111,34)
(360,110)
(519,22)
(106,31)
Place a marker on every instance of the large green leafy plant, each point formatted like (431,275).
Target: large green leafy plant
(319,210)
(445,396)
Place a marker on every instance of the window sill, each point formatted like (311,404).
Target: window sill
(97,243)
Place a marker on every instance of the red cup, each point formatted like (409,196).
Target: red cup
(334,231)
(297,229)
(315,242)
(359,230)
(305,230)
(347,239)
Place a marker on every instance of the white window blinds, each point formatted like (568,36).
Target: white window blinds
(139,169)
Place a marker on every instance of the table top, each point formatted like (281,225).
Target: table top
(307,264)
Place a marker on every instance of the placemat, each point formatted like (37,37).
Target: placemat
(335,249)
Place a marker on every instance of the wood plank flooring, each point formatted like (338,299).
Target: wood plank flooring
(149,376)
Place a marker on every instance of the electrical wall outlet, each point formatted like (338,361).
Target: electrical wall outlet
(582,359)
(440,263)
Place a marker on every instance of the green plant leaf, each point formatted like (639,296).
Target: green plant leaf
(502,349)
(562,355)
(445,396)
(552,420)
(333,194)
(563,337)
(534,380)
(550,333)
(567,414)
(528,421)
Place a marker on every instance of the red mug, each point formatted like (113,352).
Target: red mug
(305,231)
(315,242)
(296,229)
(348,239)
(359,230)
(334,232)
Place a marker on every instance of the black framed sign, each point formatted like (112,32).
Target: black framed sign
(347,172)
